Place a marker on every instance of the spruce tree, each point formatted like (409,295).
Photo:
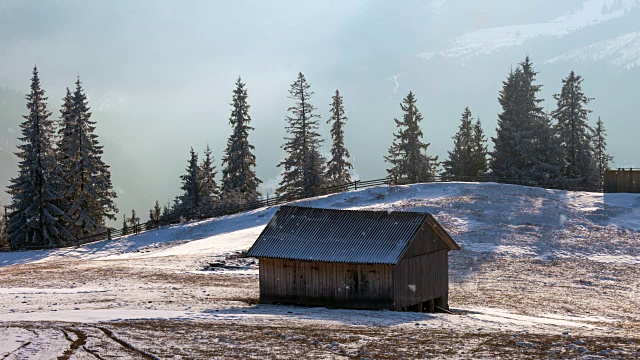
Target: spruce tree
(545,157)
(134,221)
(35,219)
(338,167)
(207,187)
(506,157)
(601,157)
(125,226)
(525,147)
(88,191)
(460,163)
(156,211)
(155,215)
(304,166)
(407,154)
(239,180)
(188,204)
(479,153)
(578,166)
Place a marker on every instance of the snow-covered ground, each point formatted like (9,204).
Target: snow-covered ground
(537,265)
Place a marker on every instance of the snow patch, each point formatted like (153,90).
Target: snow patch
(622,51)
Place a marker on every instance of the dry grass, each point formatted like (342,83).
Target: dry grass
(201,340)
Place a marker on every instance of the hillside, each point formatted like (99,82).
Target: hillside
(541,273)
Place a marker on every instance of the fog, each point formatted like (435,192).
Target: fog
(159,74)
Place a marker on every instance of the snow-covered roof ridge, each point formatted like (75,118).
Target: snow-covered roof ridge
(349,236)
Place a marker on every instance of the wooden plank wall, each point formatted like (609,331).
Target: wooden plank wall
(425,241)
(625,181)
(357,286)
(421,278)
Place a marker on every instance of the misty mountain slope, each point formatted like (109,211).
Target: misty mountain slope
(484,218)
(622,51)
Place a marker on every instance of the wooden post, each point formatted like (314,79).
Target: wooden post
(443,302)
(431,306)
(419,309)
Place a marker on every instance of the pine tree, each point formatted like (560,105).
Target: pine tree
(188,204)
(207,187)
(479,153)
(239,180)
(525,146)
(35,219)
(88,191)
(134,221)
(460,163)
(152,223)
(338,167)
(125,227)
(545,157)
(157,211)
(506,157)
(601,157)
(575,133)
(304,167)
(154,217)
(407,154)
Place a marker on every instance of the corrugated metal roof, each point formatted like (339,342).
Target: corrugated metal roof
(364,237)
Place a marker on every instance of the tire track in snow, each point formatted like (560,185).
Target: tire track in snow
(75,344)
(126,345)
(19,347)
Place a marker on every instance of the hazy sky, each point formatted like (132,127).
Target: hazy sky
(159,74)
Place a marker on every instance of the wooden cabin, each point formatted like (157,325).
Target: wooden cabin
(354,259)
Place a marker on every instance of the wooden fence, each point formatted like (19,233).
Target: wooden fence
(622,180)
(112,233)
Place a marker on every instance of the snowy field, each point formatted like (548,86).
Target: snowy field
(541,273)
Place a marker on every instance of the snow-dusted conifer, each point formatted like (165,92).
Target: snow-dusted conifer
(189,202)
(239,180)
(407,154)
(36,220)
(545,157)
(601,157)
(506,157)
(525,146)
(125,225)
(338,166)
(578,165)
(134,221)
(207,187)
(304,167)
(88,192)
(460,162)
(479,154)
(154,216)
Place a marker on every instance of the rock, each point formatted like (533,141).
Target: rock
(579,342)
